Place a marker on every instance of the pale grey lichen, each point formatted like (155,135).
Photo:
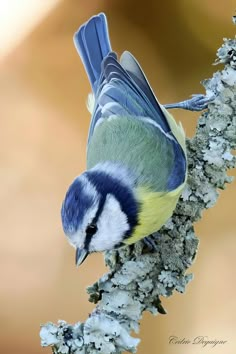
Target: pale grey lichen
(138,278)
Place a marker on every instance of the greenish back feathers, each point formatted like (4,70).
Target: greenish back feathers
(142,147)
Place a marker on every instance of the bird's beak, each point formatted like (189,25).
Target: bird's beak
(80,255)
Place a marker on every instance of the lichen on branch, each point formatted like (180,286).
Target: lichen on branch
(137,278)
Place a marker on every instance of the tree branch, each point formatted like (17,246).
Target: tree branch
(137,278)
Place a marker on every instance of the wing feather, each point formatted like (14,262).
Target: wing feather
(122,91)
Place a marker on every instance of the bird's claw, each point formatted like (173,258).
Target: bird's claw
(198,102)
(150,242)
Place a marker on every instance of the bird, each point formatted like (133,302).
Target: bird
(136,152)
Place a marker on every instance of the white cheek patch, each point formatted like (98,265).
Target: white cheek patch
(112,226)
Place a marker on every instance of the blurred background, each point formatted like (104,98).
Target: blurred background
(44,124)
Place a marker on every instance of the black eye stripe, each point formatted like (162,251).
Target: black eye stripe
(100,209)
(89,235)
(91,230)
(107,184)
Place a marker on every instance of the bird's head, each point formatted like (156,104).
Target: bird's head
(98,213)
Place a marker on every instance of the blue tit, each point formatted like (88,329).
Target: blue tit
(136,153)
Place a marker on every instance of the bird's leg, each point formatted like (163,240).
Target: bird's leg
(150,243)
(196,103)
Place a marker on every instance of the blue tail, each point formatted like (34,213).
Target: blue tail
(93,45)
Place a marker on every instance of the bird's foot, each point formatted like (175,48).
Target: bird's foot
(198,102)
(150,242)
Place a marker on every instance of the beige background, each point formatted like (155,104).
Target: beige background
(44,122)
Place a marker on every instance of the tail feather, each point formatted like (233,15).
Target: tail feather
(93,45)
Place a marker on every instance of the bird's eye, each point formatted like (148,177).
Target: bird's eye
(91,229)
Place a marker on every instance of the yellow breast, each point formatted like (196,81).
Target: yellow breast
(156,209)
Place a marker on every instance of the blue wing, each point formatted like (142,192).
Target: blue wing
(120,89)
